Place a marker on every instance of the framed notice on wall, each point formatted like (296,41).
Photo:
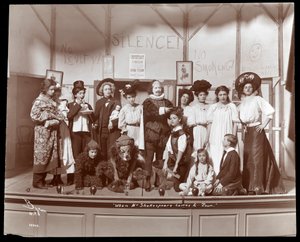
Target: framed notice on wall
(55,75)
(184,73)
(137,66)
(108,66)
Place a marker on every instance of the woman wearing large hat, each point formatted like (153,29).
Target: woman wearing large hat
(80,118)
(200,89)
(131,115)
(260,171)
(107,132)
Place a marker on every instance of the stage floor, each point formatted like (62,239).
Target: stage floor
(19,181)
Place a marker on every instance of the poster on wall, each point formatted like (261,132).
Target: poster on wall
(108,66)
(137,66)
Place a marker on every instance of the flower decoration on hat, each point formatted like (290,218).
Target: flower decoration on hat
(247,77)
(130,88)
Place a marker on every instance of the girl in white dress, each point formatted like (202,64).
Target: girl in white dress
(131,116)
(200,89)
(66,152)
(222,119)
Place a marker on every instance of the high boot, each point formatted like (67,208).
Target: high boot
(58,180)
(148,184)
(53,181)
(70,179)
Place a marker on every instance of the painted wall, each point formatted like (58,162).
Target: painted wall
(79,45)
(29,41)
(213,55)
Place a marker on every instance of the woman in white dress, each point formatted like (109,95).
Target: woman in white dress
(131,116)
(222,119)
(200,89)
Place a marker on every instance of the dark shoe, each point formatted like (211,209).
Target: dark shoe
(251,193)
(53,182)
(242,191)
(39,186)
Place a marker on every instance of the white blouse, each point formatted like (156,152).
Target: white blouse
(182,143)
(252,107)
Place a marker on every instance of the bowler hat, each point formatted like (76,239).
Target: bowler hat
(247,77)
(78,86)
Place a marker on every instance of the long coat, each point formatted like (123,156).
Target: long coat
(46,148)
(98,117)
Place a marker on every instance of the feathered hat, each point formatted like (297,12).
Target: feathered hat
(247,77)
(130,87)
(200,86)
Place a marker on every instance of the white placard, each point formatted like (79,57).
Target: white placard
(137,66)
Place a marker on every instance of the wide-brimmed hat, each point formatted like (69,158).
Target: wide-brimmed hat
(200,86)
(247,77)
(78,86)
(188,92)
(99,88)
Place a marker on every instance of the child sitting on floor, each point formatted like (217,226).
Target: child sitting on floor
(90,170)
(201,176)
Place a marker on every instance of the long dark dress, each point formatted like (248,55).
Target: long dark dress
(260,171)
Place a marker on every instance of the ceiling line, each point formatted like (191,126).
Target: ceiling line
(90,21)
(41,20)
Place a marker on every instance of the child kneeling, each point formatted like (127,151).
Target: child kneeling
(229,179)
(201,176)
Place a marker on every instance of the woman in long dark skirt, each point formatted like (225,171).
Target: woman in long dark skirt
(260,171)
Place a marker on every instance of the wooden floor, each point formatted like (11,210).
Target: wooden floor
(19,181)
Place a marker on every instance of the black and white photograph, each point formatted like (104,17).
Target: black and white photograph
(150,120)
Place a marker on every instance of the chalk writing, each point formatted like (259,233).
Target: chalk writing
(74,58)
(150,41)
(207,67)
(32,207)
(255,52)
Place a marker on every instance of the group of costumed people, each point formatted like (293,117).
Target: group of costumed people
(191,148)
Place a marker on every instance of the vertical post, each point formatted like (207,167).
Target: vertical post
(185,54)
(53,37)
(281,91)
(238,43)
(108,30)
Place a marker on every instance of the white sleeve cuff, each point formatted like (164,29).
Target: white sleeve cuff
(161,111)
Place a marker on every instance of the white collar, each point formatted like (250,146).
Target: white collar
(161,97)
(177,128)
(229,149)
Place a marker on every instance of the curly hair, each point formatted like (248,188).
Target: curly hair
(46,83)
(113,88)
